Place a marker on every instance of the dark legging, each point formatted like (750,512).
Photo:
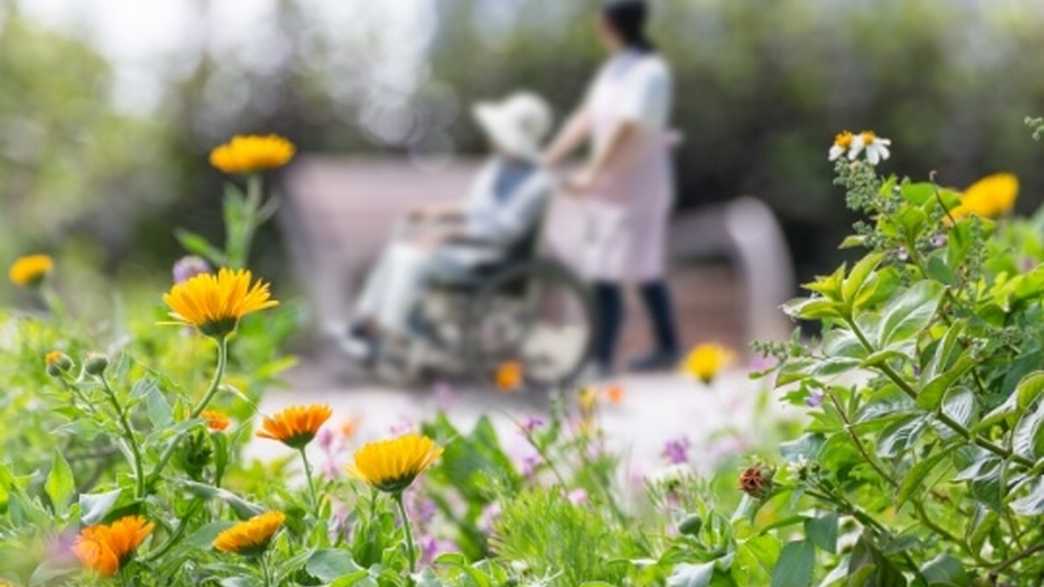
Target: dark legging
(609,299)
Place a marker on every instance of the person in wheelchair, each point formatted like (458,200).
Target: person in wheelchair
(505,204)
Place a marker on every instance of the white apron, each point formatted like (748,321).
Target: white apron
(627,211)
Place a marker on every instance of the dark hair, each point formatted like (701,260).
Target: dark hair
(627,18)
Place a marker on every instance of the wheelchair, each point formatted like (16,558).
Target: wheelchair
(526,307)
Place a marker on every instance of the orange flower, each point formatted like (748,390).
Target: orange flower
(350,427)
(295,426)
(615,394)
(216,420)
(30,270)
(251,536)
(510,376)
(252,153)
(104,548)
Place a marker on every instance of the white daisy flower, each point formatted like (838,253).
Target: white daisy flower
(876,147)
(842,143)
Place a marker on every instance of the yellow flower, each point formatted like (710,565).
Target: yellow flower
(706,361)
(510,376)
(392,465)
(250,153)
(104,548)
(990,197)
(215,419)
(30,270)
(251,536)
(295,426)
(215,303)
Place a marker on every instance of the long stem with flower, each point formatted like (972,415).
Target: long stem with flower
(411,550)
(215,382)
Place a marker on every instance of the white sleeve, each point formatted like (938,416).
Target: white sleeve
(645,95)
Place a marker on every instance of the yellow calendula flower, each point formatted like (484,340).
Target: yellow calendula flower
(216,420)
(30,270)
(105,548)
(510,376)
(392,465)
(251,153)
(295,426)
(215,303)
(990,197)
(706,360)
(252,536)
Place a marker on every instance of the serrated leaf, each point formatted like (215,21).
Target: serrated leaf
(896,438)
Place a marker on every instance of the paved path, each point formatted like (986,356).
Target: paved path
(720,419)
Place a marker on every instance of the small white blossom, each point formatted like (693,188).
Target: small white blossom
(876,147)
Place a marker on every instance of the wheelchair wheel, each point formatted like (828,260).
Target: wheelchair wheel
(539,314)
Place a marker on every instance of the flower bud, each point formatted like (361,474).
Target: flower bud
(691,525)
(95,364)
(756,481)
(57,363)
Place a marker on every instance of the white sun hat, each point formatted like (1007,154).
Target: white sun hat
(517,125)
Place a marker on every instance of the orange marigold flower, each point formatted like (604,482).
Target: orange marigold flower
(350,427)
(615,394)
(251,153)
(30,270)
(295,426)
(510,376)
(215,303)
(392,465)
(216,420)
(105,548)
(252,536)
(990,197)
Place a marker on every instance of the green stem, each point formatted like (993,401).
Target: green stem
(266,573)
(311,482)
(410,549)
(178,532)
(139,473)
(215,383)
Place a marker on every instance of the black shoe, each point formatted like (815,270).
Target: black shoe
(656,361)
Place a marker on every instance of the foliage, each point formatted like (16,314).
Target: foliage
(926,436)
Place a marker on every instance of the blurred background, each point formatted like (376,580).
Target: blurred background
(108,108)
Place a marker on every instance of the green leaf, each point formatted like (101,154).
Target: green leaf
(917,474)
(329,564)
(60,485)
(754,560)
(852,241)
(1028,438)
(199,245)
(688,575)
(243,508)
(95,506)
(930,396)
(805,447)
(822,532)
(945,570)
(817,308)
(896,438)
(205,535)
(1032,504)
(157,408)
(860,272)
(795,566)
(918,193)
(946,352)
(909,313)
(1029,389)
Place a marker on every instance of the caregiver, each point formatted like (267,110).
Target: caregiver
(627,183)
